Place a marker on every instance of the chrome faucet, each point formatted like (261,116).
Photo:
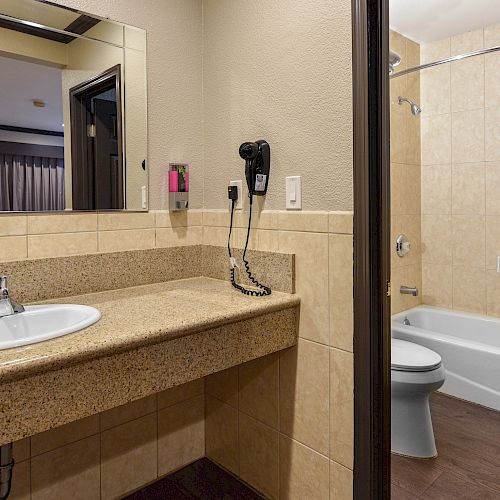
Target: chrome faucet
(8,306)
(409,290)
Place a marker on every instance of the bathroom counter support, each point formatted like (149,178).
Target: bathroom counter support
(150,338)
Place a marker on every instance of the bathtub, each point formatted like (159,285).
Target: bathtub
(469,345)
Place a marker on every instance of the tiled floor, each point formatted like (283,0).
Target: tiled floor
(468,462)
(202,480)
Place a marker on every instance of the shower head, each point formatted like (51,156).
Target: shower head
(394,60)
(415,108)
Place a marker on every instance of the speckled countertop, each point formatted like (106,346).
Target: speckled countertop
(139,316)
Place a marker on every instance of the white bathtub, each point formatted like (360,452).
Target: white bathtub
(469,345)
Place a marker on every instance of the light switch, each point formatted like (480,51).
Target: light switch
(239,203)
(144,196)
(294,192)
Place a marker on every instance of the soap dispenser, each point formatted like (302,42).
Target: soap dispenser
(178,186)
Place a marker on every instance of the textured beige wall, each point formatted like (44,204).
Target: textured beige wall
(279,71)
(405,175)
(461,174)
(174,67)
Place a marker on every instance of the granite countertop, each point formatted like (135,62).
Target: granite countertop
(138,316)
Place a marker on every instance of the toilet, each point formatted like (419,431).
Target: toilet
(416,372)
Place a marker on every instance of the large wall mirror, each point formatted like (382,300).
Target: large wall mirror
(73,105)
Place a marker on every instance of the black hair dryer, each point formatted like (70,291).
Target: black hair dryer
(257,156)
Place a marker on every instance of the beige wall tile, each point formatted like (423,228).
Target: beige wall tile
(410,226)
(492,188)
(267,240)
(435,90)
(399,133)
(132,239)
(128,456)
(11,225)
(72,468)
(491,76)
(492,241)
(412,53)
(180,393)
(21,450)
(311,275)
(436,139)
(436,239)
(407,276)
(125,220)
(223,385)
(434,51)
(21,481)
(405,189)
(126,413)
(183,218)
(467,42)
(468,133)
(316,222)
(492,35)
(468,188)
(58,245)
(303,472)
(62,223)
(341,291)
(436,189)
(181,434)
(469,289)
(413,139)
(492,293)
(13,248)
(259,389)
(340,482)
(437,285)
(259,456)
(397,43)
(60,436)
(469,240)
(261,219)
(492,134)
(341,407)
(216,218)
(340,222)
(304,394)
(221,434)
(179,236)
(216,236)
(467,84)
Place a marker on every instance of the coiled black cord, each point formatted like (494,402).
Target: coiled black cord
(263,290)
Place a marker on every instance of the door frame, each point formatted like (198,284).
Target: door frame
(82,146)
(371,114)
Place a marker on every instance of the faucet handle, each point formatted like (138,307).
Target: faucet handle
(3,282)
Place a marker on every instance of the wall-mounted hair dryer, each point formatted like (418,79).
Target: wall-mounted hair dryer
(257,156)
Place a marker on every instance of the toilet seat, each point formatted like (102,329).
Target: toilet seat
(410,357)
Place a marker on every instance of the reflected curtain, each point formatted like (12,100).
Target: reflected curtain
(31,183)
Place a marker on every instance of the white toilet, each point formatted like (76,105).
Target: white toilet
(416,372)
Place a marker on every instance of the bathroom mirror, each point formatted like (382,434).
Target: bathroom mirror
(73,105)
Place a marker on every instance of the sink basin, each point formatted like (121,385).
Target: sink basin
(44,322)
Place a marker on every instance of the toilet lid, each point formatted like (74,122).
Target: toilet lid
(410,357)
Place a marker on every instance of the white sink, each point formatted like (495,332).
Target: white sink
(39,323)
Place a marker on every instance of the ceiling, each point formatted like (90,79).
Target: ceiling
(427,20)
(24,81)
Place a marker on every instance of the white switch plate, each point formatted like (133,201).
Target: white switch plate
(498,264)
(294,192)
(239,184)
(144,195)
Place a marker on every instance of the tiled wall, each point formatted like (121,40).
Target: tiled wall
(112,453)
(284,423)
(461,174)
(405,174)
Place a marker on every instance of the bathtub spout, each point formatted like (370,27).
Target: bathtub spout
(409,290)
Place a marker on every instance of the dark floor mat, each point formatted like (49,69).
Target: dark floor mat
(202,480)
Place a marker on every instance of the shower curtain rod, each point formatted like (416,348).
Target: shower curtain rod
(447,60)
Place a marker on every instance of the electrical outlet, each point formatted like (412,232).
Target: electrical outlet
(239,185)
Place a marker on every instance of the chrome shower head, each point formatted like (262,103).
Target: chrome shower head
(394,60)
(415,108)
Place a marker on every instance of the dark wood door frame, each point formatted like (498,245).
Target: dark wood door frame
(371,250)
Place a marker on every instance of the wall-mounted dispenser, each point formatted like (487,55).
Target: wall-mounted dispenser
(178,186)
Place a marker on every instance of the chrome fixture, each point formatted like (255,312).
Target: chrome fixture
(8,306)
(409,290)
(6,466)
(406,321)
(415,108)
(403,245)
(394,60)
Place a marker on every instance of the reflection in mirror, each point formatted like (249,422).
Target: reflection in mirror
(73,130)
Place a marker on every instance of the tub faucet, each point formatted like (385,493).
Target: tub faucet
(409,290)
(8,306)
